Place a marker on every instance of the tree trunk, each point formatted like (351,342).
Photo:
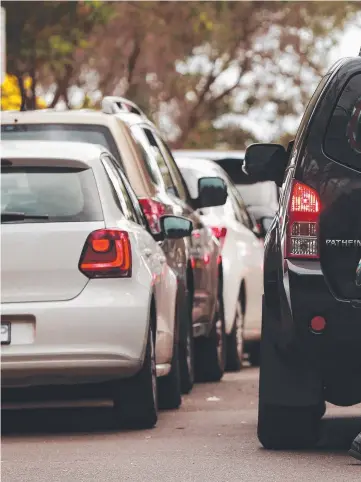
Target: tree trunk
(23,105)
(62,87)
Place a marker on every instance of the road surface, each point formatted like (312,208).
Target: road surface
(211,438)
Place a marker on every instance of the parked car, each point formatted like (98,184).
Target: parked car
(261,198)
(311,334)
(148,164)
(242,259)
(86,291)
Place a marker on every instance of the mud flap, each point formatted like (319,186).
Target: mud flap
(287,378)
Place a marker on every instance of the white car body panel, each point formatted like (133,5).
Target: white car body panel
(242,252)
(65,327)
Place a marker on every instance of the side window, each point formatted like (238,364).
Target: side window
(343,136)
(177,177)
(120,193)
(133,198)
(241,209)
(305,121)
(163,167)
(147,155)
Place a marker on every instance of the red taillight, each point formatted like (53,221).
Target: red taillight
(303,222)
(220,234)
(152,210)
(107,254)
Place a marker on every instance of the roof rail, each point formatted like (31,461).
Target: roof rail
(48,109)
(114,105)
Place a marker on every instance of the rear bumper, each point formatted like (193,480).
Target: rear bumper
(310,296)
(310,363)
(98,336)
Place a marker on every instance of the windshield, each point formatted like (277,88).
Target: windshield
(91,134)
(57,195)
(259,194)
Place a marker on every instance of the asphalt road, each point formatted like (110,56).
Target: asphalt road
(211,438)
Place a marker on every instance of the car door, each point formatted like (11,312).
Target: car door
(164,279)
(255,263)
(175,250)
(203,250)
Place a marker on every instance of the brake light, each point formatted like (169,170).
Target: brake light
(153,210)
(303,222)
(107,254)
(220,234)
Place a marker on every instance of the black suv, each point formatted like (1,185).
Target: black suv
(311,339)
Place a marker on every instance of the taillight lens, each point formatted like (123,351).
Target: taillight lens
(220,234)
(107,254)
(153,210)
(303,222)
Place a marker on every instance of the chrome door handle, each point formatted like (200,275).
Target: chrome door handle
(147,252)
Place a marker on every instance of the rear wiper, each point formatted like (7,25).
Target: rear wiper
(6,217)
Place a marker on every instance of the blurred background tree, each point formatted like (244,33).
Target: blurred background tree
(42,39)
(207,72)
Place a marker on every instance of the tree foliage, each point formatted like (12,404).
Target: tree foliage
(207,72)
(43,37)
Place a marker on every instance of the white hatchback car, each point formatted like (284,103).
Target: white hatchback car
(86,289)
(242,262)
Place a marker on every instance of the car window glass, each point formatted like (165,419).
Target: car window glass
(305,121)
(240,208)
(88,133)
(120,195)
(147,154)
(163,167)
(57,194)
(177,177)
(343,136)
(129,191)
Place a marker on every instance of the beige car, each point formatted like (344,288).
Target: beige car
(145,159)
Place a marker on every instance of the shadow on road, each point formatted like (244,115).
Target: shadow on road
(338,433)
(57,420)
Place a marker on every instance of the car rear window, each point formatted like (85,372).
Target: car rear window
(343,137)
(57,194)
(91,134)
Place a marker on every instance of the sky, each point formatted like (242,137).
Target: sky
(350,44)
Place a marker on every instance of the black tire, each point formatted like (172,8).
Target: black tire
(282,425)
(210,353)
(169,387)
(186,346)
(288,428)
(235,341)
(255,354)
(135,399)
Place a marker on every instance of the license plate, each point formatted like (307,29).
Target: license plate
(5,333)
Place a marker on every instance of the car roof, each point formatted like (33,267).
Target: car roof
(201,165)
(64,150)
(213,155)
(81,116)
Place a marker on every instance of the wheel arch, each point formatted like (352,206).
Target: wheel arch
(243,296)
(153,315)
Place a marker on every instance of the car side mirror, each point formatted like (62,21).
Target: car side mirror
(175,227)
(266,162)
(212,192)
